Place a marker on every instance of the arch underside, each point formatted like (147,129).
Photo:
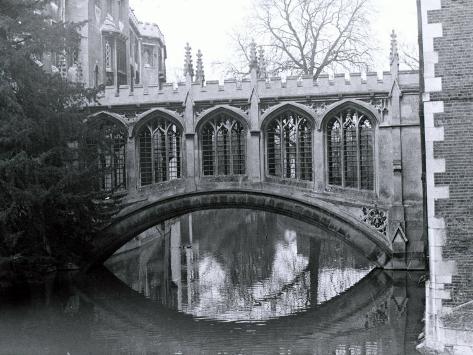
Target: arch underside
(320,214)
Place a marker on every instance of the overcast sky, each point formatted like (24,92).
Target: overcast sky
(206,25)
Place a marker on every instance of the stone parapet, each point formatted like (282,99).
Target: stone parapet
(276,87)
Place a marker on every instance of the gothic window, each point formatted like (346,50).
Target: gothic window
(121,63)
(223,142)
(148,56)
(350,152)
(110,146)
(289,146)
(108,59)
(159,145)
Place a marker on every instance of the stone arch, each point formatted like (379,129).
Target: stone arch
(319,213)
(146,116)
(110,116)
(234,112)
(343,104)
(304,110)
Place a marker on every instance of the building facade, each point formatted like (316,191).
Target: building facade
(116,49)
(447,79)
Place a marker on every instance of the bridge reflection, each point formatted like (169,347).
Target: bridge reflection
(237,265)
(370,318)
(98,314)
(244,283)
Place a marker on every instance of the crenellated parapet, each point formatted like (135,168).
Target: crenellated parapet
(351,85)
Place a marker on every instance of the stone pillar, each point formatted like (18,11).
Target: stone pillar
(190,160)
(131,166)
(397,213)
(318,160)
(255,155)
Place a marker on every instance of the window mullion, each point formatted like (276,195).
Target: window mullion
(282,144)
(153,153)
(215,147)
(230,152)
(166,154)
(342,149)
(297,160)
(358,160)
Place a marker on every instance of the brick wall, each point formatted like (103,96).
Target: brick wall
(455,68)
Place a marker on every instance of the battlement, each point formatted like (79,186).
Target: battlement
(232,89)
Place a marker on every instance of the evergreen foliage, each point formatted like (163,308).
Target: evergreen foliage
(46,195)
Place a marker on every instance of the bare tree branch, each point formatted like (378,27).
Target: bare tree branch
(311,36)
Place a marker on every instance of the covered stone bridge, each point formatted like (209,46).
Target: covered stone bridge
(341,153)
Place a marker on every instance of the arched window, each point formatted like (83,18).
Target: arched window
(350,150)
(109,143)
(223,142)
(289,146)
(159,146)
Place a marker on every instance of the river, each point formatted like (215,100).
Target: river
(220,282)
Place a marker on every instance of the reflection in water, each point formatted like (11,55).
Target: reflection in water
(235,282)
(237,265)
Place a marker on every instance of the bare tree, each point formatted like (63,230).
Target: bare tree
(310,36)
(409,55)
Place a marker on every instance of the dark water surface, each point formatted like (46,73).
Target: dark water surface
(220,282)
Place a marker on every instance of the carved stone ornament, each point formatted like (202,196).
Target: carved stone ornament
(375,218)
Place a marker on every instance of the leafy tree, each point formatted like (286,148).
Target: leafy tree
(46,195)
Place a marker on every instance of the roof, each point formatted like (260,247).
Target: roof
(152,30)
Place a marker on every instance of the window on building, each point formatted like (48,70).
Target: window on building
(110,146)
(289,146)
(223,142)
(121,63)
(110,7)
(98,3)
(109,61)
(135,58)
(149,54)
(159,145)
(350,150)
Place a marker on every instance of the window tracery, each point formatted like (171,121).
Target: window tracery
(159,145)
(110,147)
(289,146)
(223,142)
(350,150)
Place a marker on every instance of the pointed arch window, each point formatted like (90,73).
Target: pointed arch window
(159,146)
(350,150)
(223,142)
(109,143)
(289,146)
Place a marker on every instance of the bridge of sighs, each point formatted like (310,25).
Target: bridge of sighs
(341,152)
